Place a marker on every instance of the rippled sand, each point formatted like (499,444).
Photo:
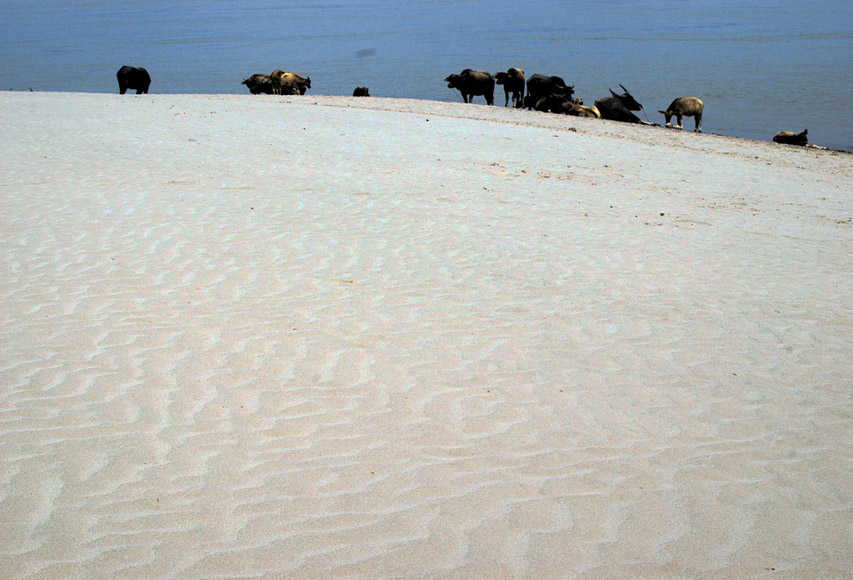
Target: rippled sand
(322,337)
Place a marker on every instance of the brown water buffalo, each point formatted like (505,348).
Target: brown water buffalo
(473,82)
(539,86)
(619,107)
(361,92)
(259,84)
(685,107)
(791,138)
(288,83)
(566,106)
(581,111)
(134,78)
(513,82)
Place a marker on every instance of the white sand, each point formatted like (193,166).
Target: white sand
(322,337)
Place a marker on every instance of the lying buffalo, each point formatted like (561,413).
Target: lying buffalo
(361,92)
(539,86)
(619,107)
(791,138)
(685,107)
(473,82)
(259,84)
(552,104)
(578,110)
(513,82)
(134,78)
(566,106)
(288,83)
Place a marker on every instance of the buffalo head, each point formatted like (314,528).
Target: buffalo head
(628,100)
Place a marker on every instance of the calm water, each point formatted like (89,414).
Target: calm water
(760,66)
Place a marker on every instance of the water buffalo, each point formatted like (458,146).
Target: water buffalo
(134,78)
(361,92)
(685,107)
(579,110)
(539,86)
(566,106)
(553,103)
(288,83)
(619,107)
(513,82)
(471,83)
(792,138)
(550,104)
(259,84)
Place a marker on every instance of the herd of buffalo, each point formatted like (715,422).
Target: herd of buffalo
(537,92)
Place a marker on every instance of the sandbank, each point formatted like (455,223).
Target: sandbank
(326,337)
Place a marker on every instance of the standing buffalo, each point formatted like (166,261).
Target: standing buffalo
(619,107)
(288,83)
(361,92)
(791,138)
(513,82)
(685,107)
(471,83)
(259,84)
(134,78)
(539,86)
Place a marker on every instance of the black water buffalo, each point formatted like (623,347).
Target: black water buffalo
(539,86)
(288,83)
(259,84)
(473,82)
(792,138)
(134,78)
(361,92)
(685,107)
(513,82)
(552,104)
(619,107)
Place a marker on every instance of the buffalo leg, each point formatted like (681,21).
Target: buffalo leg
(698,120)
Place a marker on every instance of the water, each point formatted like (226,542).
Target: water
(760,66)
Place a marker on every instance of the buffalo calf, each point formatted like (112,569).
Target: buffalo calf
(685,107)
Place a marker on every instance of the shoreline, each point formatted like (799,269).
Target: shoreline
(346,338)
(391,102)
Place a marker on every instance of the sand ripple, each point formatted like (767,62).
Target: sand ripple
(310,338)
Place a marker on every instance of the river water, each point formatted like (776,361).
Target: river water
(760,66)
